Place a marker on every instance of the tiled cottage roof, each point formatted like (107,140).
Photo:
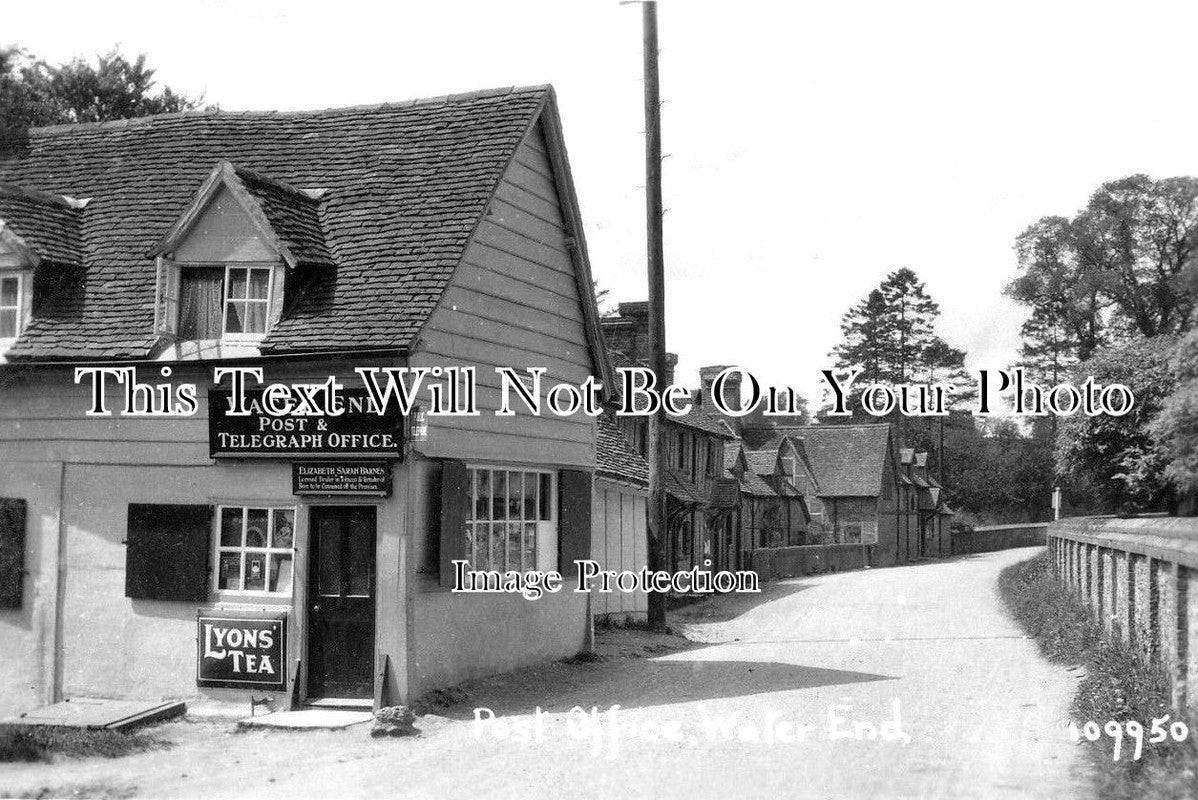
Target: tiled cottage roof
(848,460)
(294,216)
(615,458)
(406,185)
(683,490)
(47,223)
(725,493)
(762,462)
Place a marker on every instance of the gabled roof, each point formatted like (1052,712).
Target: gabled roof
(40,225)
(756,486)
(615,458)
(847,460)
(407,185)
(286,218)
(762,462)
(734,452)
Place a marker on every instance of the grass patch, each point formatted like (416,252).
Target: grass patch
(42,743)
(1117,686)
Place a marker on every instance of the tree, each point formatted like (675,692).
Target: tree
(1177,425)
(1123,266)
(890,336)
(33,92)
(1122,460)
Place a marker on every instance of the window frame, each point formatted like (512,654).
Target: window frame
(217,548)
(18,309)
(270,267)
(546,545)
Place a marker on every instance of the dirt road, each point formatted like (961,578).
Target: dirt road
(953,703)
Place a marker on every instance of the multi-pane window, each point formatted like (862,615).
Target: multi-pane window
(255,549)
(511,514)
(215,302)
(247,296)
(10,306)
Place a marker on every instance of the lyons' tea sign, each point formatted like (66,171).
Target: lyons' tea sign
(242,653)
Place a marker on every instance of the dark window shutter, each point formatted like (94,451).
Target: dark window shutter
(573,520)
(167,553)
(12,552)
(455,495)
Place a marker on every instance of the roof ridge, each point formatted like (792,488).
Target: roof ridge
(444,99)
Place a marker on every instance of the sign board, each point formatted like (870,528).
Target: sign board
(356,433)
(370,478)
(242,652)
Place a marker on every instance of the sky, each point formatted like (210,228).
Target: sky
(811,147)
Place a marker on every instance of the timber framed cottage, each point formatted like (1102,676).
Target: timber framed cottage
(209,555)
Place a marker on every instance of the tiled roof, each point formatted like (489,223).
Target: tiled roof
(47,223)
(681,489)
(762,462)
(406,185)
(615,458)
(756,486)
(293,215)
(848,460)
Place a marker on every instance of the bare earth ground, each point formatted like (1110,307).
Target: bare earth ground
(985,714)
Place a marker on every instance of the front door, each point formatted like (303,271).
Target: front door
(341,602)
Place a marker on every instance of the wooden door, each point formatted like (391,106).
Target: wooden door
(341,589)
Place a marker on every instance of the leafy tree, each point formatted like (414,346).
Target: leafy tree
(1122,460)
(1177,425)
(33,92)
(1123,266)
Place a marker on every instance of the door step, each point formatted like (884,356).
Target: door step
(354,703)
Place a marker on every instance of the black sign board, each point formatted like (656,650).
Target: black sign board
(370,478)
(356,433)
(242,652)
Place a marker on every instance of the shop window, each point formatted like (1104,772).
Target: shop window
(255,549)
(508,514)
(11,306)
(513,520)
(12,552)
(230,302)
(167,553)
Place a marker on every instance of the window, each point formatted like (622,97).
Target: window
(682,450)
(510,518)
(254,549)
(861,532)
(220,302)
(713,460)
(789,465)
(10,306)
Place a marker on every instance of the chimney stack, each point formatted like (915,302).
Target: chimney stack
(707,376)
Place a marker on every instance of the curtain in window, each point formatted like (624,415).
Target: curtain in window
(201,303)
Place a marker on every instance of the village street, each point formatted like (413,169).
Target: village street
(984,713)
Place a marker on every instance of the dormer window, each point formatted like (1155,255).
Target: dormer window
(11,307)
(229,302)
(222,266)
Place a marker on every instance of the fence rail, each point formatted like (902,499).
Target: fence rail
(1140,579)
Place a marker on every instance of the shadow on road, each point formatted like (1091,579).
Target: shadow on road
(681,677)
(725,607)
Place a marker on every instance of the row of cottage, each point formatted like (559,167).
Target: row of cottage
(168,533)
(739,485)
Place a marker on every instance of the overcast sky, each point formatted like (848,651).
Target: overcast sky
(813,147)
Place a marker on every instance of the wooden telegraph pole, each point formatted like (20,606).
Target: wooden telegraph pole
(657,307)
(657,310)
